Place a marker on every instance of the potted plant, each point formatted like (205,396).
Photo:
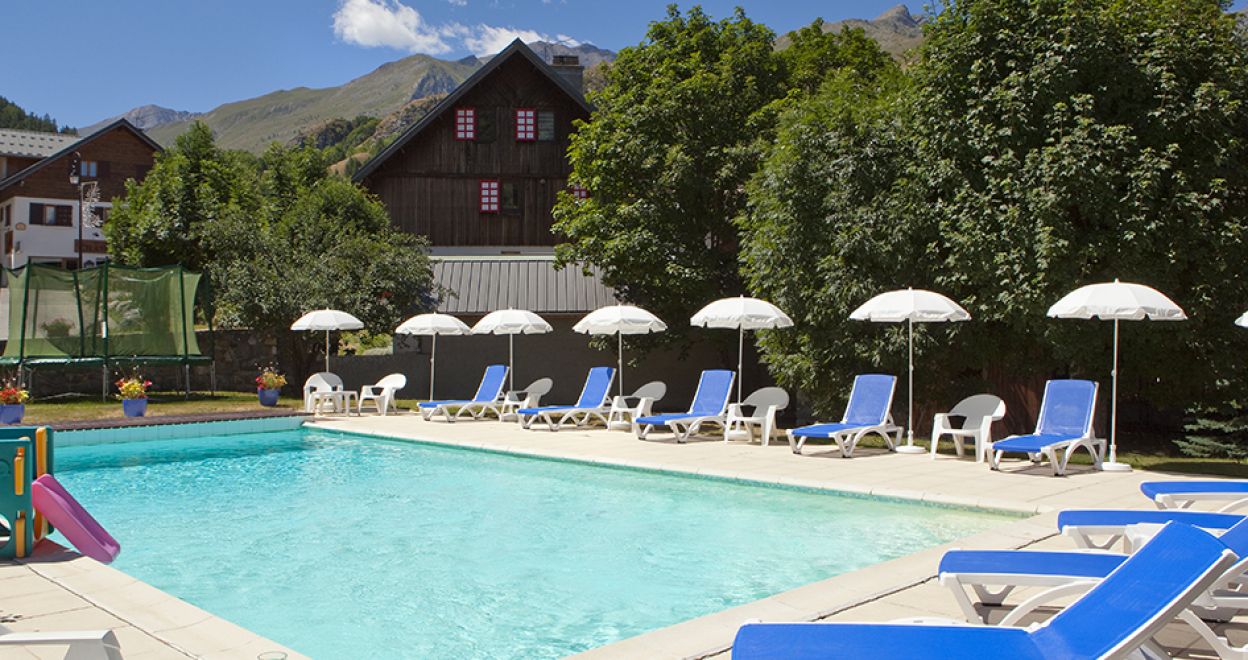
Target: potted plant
(133,392)
(13,403)
(269,385)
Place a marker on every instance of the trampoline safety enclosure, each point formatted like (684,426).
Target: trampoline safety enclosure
(103,315)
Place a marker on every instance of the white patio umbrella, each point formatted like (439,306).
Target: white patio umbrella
(433,325)
(619,320)
(912,306)
(1116,301)
(511,322)
(327,320)
(741,314)
(1242,321)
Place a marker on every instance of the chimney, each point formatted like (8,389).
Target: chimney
(569,68)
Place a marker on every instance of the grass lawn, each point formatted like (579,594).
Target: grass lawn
(91,408)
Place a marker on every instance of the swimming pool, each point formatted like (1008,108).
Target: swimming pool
(344,546)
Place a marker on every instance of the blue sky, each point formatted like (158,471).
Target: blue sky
(95,59)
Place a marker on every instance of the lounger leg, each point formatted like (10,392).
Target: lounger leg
(1221,645)
(795,443)
(1059,468)
(1043,598)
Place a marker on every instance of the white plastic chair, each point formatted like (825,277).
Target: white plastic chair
(529,397)
(978,412)
(764,404)
(320,388)
(383,394)
(626,409)
(82,645)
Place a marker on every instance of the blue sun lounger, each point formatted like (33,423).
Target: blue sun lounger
(595,401)
(1084,525)
(710,406)
(1119,615)
(488,398)
(1065,574)
(1182,494)
(1065,423)
(867,412)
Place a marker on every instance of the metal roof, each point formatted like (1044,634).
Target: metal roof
(74,145)
(480,285)
(33,144)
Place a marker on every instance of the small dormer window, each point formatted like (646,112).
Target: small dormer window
(526,125)
(489,196)
(465,123)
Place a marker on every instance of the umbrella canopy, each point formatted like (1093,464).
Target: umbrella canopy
(511,322)
(434,325)
(327,320)
(741,314)
(1242,321)
(1116,301)
(911,306)
(619,320)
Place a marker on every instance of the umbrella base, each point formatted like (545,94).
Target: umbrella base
(1114,466)
(911,449)
(620,426)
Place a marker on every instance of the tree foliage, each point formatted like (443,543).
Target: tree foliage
(277,236)
(14,116)
(1035,147)
(678,129)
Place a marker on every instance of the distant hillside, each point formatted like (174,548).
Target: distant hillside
(13,115)
(145,117)
(282,116)
(896,30)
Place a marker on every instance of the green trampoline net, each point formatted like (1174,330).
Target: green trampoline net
(100,314)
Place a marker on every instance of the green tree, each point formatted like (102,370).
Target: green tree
(276,235)
(665,157)
(1038,146)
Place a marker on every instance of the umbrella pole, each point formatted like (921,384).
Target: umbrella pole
(620,354)
(433,363)
(909,447)
(326,350)
(1112,465)
(740,359)
(511,362)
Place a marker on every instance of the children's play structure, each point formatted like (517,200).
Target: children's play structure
(103,316)
(33,502)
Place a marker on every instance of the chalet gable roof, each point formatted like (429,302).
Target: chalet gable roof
(516,48)
(75,146)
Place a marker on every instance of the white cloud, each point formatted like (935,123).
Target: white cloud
(387,23)
(487,39)
(392,24)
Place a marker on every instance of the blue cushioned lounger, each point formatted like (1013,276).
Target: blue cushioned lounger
(1182,494)
(1065,425)
(594,402)
(1069,573)
(710,404)
(1117,616)
(488,398)
(867,412)
(1083,525)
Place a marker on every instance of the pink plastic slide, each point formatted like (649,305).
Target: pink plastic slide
(67,515)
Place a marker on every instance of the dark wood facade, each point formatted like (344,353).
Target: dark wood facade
(120,154)
(430,181)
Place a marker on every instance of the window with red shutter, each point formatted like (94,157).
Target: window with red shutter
(465,123)
(579,191)
(489,196)
(526,125)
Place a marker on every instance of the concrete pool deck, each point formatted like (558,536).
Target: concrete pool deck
(58,590)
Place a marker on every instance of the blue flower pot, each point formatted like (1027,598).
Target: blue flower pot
(134,407)
(12,413)
(268,397)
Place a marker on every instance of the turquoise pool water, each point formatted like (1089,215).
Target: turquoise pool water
(349,547)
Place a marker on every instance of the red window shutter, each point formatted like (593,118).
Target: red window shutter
(580,192)
(489,196)
(526,125)
(465,124)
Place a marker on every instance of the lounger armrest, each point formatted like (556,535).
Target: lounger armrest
(985,430)
(943,422)
(644,404)
(736,411)
(371,390)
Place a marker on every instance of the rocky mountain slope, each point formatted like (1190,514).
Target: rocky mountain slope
(145,117)
(897,30)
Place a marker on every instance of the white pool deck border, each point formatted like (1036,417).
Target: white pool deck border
(59,590)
